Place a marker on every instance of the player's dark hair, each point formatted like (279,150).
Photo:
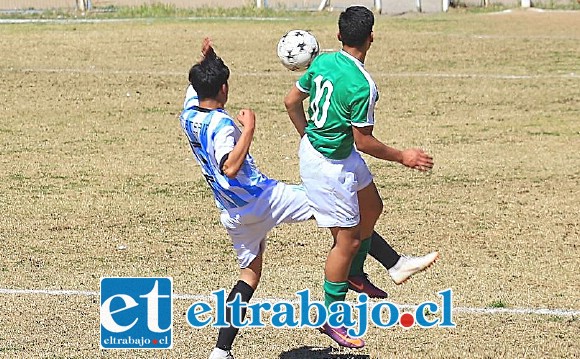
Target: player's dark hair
(355,25)
(208,76)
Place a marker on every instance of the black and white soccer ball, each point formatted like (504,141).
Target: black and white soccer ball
(297,49)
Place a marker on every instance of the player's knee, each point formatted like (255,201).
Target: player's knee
(251,279)
(252,274)
(353,247)
(348,248)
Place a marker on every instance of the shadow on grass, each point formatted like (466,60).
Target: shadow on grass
(319,353)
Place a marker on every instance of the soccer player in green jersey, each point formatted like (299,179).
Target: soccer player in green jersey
(342,97)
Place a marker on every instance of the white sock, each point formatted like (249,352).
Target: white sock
(218,353)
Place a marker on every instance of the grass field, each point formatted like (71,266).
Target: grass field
(97,180)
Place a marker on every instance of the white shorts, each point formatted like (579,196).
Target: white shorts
(248,226)
(332,185)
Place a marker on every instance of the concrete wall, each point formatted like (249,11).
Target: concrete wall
(36,4)
(389,6)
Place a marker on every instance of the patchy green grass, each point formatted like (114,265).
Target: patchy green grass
(498,303)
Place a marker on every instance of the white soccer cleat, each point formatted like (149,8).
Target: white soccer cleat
(218,353)
(408,265)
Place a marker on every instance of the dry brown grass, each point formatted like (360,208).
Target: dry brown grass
(93,158)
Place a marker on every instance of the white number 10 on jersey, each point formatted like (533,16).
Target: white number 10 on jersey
(319,113)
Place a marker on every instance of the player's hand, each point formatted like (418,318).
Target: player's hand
(206,47)
(247,118)
(417,159)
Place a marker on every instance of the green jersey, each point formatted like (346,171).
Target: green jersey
(342,95)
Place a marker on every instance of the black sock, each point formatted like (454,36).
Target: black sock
(383,252)
(227,335)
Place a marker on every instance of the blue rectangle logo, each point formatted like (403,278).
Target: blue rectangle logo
(136,313)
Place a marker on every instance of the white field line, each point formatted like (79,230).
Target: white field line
(63,21)
(274,19)
(98,21)
(207,298)
(94,71)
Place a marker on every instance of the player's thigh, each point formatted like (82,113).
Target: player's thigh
(289,204)
(248,240)
(370,203)
(330,188)
(253,272)
(371,207)
(332,197)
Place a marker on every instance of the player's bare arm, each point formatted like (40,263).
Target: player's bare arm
(295,109)
(414,158)
(235,159)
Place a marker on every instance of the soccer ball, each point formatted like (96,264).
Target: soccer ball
(297,49)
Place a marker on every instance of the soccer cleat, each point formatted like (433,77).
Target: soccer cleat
(218,353)
(340,336)
(408,265)
(361,284)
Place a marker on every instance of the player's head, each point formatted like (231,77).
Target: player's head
(210,77)
(355,26)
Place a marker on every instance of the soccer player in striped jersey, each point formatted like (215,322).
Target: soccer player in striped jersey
(339,185)
(251,204)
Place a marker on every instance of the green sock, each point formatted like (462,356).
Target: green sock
(358,262)
(334,291)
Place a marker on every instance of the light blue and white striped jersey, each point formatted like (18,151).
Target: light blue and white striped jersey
(191,98)
(212,135)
